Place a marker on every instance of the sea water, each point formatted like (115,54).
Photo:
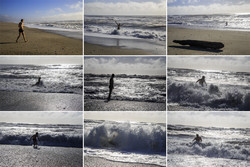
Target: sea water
(69,28)
(62,135)
(126,87)
(220,146)
(54,78)
(224,91)
(126,141)
(239,22)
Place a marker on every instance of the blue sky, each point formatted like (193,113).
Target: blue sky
(40,9)
(208,6)
(125,7)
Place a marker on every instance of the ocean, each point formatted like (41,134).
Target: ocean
(126,141)
(54,78)
(62,135)
(143,88)
(220,146)
(140,32)
(237,22)
(69,28)
(224,91)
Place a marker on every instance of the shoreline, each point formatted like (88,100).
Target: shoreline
(118,46)
(116,105)
(235,42)
(90,161)
(40,42)
(35,101)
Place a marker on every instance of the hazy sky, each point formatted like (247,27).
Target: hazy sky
(132,116)
(36,10)
(42,117)
(125,65)
(125,7)
(231,119)
(40,60)
(226,63)
(176,7)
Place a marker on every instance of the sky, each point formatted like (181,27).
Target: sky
(131,116)
(232,119)
(39,60)
(42,117)
(125,7)
(125,65)
(184,7)
(225,63)
(40,10)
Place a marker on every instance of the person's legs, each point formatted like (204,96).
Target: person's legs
(18,37)
(24,36)
(110,91)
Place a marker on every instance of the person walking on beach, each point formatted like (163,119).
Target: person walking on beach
(202,81)
(34,138)
(111,85)
(21,31)
(197,140)
(118,25)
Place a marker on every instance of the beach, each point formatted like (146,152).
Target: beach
(116,105)
(94,49)
(96,161)
(33,101)
(16,155)
(235,42)
(39,42)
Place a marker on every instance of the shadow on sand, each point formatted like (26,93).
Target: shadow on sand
(196,48)
(6,43)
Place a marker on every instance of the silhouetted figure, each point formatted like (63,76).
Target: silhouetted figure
(21,31)
(197,140)
(34,138)
(202,81)
(118,25)
(226,24)
(111,85)
(39,82)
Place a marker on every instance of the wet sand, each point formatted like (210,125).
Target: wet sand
(235,42)
(33,101)
(116,105)
(94,49)
(16,155)
(94,162)
(39,42)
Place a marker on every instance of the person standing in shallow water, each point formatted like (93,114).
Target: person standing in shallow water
(202,81)
(111,86)
(21,31)
(118,25)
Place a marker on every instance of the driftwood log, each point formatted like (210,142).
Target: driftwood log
(201,44)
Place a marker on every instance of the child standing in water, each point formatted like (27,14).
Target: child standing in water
(21,31)
(34,138)
(111,85)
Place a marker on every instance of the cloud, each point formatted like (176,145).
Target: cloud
(228,7)
(126,8)
(77,6)
(63,16)
(55,10)
(226,63)
(128,65)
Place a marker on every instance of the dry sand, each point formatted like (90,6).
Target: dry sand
(115,105)
(27,156)
(94,49)
(32,101)
(39,42)
(101,162)
(235,42)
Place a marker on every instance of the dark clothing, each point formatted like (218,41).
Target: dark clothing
(21,30)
